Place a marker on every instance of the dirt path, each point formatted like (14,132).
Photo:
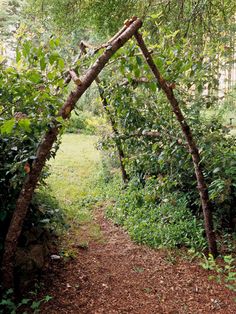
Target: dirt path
(114,275)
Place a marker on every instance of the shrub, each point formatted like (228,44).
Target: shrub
(85,122)
(30,91)
(165,222)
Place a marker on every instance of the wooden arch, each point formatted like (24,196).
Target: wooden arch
(129,30)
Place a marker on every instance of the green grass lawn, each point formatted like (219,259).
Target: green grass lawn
(74,172)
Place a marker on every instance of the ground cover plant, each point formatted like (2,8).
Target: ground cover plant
(158,108)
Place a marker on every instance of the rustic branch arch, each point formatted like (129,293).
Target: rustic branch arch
(129,30)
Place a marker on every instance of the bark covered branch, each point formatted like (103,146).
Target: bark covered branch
(193,149)
(44,149)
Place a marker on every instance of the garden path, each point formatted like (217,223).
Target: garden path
(103,271)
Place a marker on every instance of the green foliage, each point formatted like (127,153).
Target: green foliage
(224,272)
(82,17)
(190,52)
(30,90)
(157,222)
(9,305)
(86,123)
(196,19)
(138,108)
(46,211)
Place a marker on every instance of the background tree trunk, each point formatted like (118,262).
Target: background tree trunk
(120,150)
(116,132)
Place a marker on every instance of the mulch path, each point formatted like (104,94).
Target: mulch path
(118,276)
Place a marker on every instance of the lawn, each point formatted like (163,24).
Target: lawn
(73,174)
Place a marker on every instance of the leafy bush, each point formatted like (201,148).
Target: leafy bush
(30,91)
(140,108)
(165,222)
(166,156)
(86,123)
(46,211)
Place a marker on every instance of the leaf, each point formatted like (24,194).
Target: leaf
(216,170)
(43,63)
(60,119)
(47,298)
(155,16)
(26,49)
(51,76)
(34,77)
(139,60)
(18,55)
(53,57)
(2,59)
(52,43)
(10,291)
(57,41)
(153,86)
(61,63)
(7,126)
(137,72)
(25,124)
(25,301)
(35,305)
(159,62)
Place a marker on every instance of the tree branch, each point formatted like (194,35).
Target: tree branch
(201,184)
(44,149)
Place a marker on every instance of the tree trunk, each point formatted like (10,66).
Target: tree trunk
(44,148)
(120,150)
(115,131)
(22,205)
(201,184)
